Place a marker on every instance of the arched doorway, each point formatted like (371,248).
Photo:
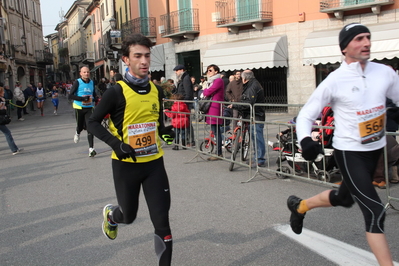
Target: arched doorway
(32,76)
(21,76)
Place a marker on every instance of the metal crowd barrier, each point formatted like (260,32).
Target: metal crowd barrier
(204,136)
(390,198)
(320,174)
(280,162)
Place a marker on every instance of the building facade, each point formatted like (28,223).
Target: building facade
(76,35)
(23,53)
(290,45)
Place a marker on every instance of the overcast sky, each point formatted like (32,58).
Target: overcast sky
(50,10)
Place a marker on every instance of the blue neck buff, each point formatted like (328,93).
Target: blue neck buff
(136,81)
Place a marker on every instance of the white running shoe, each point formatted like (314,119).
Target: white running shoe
(76,138)
(21,119)
(17,151)
(92,152)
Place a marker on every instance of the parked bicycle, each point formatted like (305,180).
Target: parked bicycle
(241,142)
(209,143)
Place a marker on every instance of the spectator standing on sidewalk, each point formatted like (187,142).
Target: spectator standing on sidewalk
(195,87)
(357,92)
(83,95)
(216,90)
(102,86)
(117,77)
(390,126)
(253,93)
(203,84)
(185,88)
(30,91)
(136,125)
(8,95)
(180,120)
(234,92)
(19,100)
(3,128)
(225,79)
(393,157)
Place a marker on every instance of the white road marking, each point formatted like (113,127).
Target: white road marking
(334,250)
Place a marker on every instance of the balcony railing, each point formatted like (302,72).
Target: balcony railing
(339,6)
(75,59)
(87,57)
(111,43)
(183,22)
(44,57)
(242,12)
(143,25)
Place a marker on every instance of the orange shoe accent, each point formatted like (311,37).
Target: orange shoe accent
(381,184)
(303,208)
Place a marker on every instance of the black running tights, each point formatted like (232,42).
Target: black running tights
(357,169)
(152,177)
(82,117)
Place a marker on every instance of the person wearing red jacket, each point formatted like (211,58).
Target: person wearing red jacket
(180,115)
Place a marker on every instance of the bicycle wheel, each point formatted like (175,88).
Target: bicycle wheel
(236,148)
(206,146)
(246,140)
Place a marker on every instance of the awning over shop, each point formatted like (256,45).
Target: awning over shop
(321,47)
(157,58)
(249,53)
(95,68)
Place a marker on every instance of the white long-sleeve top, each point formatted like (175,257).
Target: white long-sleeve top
(357,98)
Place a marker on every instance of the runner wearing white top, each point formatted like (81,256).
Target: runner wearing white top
(356,91)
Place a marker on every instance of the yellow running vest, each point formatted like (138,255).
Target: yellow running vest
(140,124)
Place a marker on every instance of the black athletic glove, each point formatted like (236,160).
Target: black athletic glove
(310,149)
(123,150)
(167,134)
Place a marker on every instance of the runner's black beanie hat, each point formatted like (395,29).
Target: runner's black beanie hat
(349,32)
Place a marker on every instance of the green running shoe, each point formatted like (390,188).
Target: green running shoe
(110,230)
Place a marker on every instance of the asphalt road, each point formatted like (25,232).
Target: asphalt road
(52,195)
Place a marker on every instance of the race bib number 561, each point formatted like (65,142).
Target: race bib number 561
(142,138)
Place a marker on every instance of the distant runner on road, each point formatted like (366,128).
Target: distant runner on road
(84,95)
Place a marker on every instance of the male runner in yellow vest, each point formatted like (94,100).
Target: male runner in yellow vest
(136,123)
